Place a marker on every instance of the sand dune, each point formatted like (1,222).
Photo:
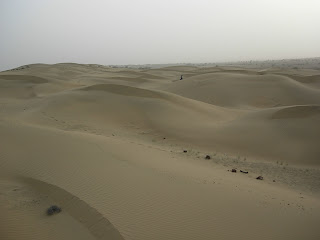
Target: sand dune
(19,86)
(243,90)
(122,151)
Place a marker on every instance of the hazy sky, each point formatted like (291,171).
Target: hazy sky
(156,31)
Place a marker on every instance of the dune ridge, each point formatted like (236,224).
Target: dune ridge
(297,112)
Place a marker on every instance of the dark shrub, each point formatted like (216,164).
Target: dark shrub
(53,210)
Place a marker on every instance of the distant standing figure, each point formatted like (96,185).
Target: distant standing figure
(181,77)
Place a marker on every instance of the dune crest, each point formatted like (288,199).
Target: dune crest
(123,90)
(297,112)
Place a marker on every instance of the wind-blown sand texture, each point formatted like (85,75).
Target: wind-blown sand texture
(122,152)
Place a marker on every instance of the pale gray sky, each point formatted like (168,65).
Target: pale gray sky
(156,31)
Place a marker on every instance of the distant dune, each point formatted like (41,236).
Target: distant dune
(229,89)
(138,154)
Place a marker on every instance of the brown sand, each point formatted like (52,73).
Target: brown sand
(106,145)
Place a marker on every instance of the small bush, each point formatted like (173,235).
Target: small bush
(53,210)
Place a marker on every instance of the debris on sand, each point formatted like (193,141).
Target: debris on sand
(245,172)
(207,157)
(53,210)
(234,170)
(260,178)
(185,151)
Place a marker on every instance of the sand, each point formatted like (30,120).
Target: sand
(122,152)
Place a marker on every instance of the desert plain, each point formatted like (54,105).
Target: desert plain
(136,153)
